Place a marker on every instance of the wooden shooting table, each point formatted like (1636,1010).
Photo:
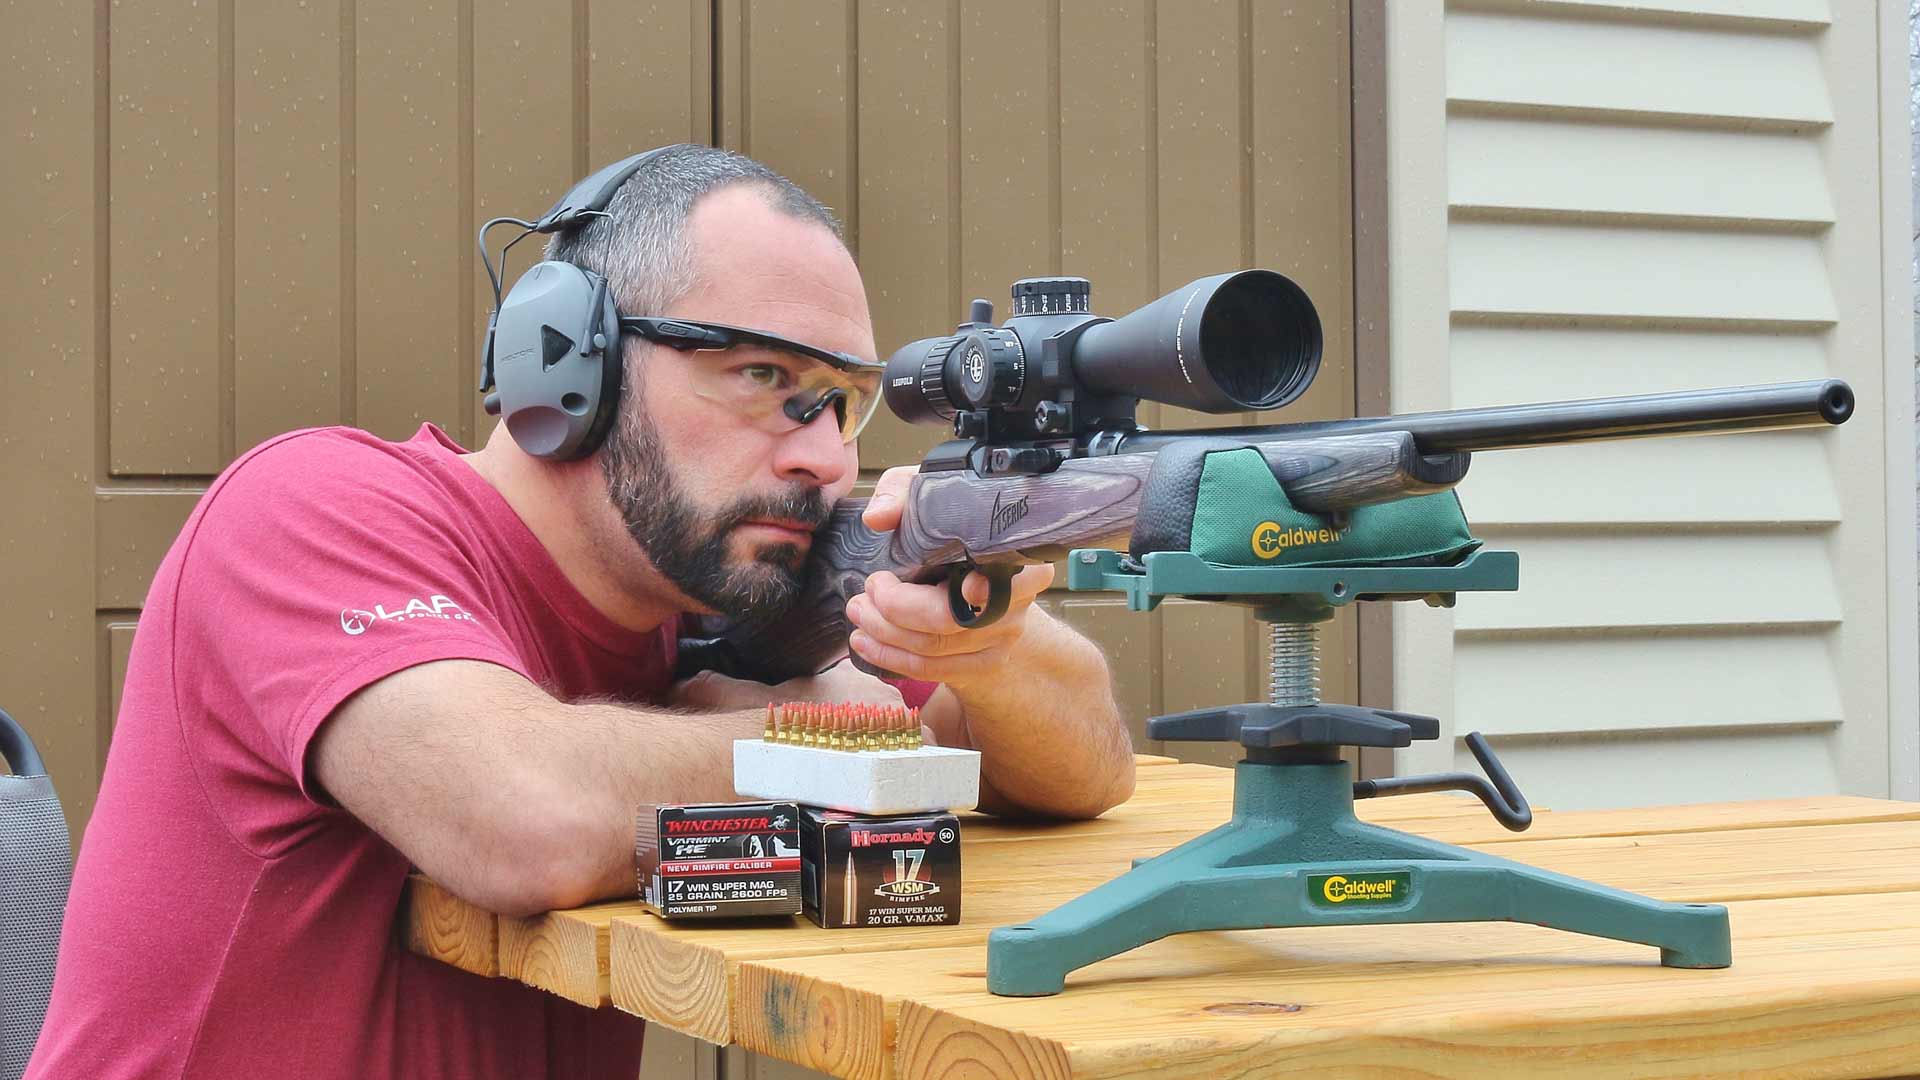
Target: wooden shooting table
(1824,895)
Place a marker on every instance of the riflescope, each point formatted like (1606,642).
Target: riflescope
(1232,342)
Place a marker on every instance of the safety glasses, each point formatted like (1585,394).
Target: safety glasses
(776,393)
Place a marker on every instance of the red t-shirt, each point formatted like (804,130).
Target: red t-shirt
(223,922)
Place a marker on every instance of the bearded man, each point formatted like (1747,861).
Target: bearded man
(363,656)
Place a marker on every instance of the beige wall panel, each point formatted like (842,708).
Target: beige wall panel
(1008,138)
(1127,640)
(1593,684)
(1671,579)
(1108,229)
(287,325)
(524,144)
(1529,270)
(649,76)
(1662,768)
(1302,170)
(49,440)
(132,532)
(1639,202)
(408,179)
(1780,14)
(908,203)
(1206,659)
(795,93)
(1567,170)
(1677,71)
(669,1055)
(165,127)
(1785,478)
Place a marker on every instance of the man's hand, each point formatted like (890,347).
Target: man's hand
(908,629)
(712,692)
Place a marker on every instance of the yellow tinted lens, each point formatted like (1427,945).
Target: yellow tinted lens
(859,394)
(759,392)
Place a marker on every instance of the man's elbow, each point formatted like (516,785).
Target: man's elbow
(550,855)
(1078,802)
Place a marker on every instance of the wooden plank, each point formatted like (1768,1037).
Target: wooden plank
(564,952)
(680,974)
(668,973)
(448,929)
(1714,817)
(1819,987)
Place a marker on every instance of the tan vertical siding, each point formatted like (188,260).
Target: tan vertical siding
(277,205)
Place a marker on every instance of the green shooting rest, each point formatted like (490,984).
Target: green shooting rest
(1294,854)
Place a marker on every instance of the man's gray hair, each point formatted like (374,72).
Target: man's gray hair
(641,246)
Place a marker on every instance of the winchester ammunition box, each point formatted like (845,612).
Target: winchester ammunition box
(719,861)
(879,871)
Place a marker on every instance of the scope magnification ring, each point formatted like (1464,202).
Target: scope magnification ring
(933,382)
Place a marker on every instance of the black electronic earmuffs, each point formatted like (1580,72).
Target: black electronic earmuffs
(552,353)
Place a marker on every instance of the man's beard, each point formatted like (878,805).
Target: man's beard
(689,547)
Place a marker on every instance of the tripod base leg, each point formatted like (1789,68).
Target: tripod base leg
(1207,884)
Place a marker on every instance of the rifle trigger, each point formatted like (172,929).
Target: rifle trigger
(999,595)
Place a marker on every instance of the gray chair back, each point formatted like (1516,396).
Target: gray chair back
(36,865)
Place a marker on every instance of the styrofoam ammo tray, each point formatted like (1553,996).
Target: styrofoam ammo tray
(864,782)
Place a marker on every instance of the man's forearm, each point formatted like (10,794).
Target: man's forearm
(1050,735)
(655,758)
(513,800)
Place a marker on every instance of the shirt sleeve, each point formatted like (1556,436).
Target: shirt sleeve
(315,568)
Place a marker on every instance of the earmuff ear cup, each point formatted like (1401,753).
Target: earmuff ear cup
(556,350)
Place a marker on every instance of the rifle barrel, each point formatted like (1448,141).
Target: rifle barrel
(1506,427)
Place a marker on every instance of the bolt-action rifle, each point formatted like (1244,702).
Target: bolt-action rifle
(1047,456)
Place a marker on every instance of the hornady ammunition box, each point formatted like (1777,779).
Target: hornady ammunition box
(719,861)
(880,871)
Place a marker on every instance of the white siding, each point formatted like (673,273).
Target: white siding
(1637,197)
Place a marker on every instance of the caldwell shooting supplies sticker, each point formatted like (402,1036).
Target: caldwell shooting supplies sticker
(1358,890)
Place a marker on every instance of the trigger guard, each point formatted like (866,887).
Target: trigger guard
(999,596)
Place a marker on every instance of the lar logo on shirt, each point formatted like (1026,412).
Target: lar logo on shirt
(357,621)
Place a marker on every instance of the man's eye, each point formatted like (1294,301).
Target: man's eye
(764,376)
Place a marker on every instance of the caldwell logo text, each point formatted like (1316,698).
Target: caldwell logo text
(1326,890)
(1270,538)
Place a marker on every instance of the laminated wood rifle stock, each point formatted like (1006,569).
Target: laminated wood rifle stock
(960,519)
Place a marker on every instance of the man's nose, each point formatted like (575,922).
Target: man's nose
(813,452)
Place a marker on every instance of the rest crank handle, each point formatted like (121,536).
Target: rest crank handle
(1502,796)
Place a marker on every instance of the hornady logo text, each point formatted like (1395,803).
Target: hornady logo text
(719,825)
(357,621)
(868,839)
